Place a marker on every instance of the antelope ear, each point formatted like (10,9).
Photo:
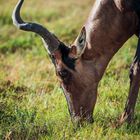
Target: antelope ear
(79,45)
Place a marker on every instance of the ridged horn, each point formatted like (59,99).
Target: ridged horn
(50,41)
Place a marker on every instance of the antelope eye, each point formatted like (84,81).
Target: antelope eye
(63,73)
(52,57)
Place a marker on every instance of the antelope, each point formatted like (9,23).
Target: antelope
(81,66)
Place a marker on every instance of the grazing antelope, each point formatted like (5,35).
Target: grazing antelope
(81,66)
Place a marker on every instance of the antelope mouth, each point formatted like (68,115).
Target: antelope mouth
(82,118)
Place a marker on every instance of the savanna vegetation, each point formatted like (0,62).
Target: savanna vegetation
(32,104)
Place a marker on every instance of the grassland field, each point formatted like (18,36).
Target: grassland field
(32,104)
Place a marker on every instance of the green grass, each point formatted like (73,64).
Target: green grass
(32,105)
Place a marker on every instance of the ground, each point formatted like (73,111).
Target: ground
(32,104)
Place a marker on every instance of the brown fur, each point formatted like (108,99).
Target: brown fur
(109,26)
(80,68)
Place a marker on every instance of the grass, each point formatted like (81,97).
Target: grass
(32,105)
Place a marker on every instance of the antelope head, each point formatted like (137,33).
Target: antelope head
(79,67)
(75,77)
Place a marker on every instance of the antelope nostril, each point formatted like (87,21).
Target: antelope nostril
(63,73)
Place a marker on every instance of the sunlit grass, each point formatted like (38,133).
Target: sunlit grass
(32,104)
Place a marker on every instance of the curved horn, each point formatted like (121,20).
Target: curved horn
(50,41)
